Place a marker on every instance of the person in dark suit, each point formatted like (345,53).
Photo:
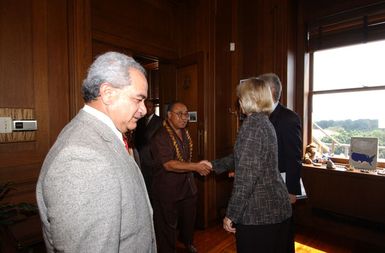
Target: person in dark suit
(288,128)
(259,209)
(144,133)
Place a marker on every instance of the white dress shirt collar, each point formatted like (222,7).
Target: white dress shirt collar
(149,118)
(275,106)
(105,119)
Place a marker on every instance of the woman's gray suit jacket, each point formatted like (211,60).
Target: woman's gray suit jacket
(259,195)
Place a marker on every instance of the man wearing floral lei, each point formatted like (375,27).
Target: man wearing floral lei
(174,192)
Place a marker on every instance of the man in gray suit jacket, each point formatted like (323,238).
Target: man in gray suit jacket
(91,194)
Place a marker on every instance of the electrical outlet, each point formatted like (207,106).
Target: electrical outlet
(5,125)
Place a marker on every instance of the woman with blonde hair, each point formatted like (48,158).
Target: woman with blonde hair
(259,209)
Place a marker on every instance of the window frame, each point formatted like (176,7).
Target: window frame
(350,27)
(332,91)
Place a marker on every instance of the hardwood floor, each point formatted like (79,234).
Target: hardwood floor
(308,240)
(215,240)
(316,232)
(211,240)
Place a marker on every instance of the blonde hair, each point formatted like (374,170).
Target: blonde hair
(255,96)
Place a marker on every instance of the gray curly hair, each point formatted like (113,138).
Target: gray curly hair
(274,83)
(110,67)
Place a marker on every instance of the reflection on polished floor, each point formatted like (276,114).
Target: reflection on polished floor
(215,240)
(316,231)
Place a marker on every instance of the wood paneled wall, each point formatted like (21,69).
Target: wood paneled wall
(267,42)
(46,47)
(147,27)
(317,9)
(33,75)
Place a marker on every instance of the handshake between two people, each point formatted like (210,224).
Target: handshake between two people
(203,167)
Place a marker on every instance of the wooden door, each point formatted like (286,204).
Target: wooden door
(189,90)
(183,81)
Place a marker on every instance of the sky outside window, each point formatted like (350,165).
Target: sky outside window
(350,67)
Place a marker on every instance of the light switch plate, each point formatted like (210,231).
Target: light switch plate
(5,125)
(232,46)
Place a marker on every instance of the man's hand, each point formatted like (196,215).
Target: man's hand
(293,198)
(228,225)
(207,163)
(204,167)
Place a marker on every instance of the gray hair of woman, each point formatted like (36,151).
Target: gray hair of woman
(255,96)
(112,68)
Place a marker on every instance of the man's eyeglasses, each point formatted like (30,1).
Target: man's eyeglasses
(182,114)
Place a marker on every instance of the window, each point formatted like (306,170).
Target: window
(348,96)
(347,78)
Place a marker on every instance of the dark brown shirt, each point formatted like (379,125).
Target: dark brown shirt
(167,185)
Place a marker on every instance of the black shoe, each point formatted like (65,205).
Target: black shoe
(191,249)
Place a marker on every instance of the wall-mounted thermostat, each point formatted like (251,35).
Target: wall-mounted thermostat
(24,125)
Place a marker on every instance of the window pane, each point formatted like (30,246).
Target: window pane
(339,116)
(349,105)
(349,67)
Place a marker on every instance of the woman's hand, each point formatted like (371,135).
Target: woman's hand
(293,198)
(228,225)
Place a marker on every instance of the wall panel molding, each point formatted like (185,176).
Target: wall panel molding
(144,48)
(80,49)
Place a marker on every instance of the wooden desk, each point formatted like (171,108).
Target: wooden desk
(352,193)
